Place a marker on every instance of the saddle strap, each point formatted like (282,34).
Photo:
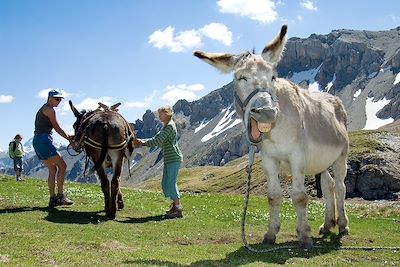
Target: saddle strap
(90,142)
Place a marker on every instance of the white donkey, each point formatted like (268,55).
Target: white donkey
(297,132)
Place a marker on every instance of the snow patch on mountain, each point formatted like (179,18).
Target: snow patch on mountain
(201,126)
(329,85)
(307,75)
(397,79)
(356,94)
(371,108)
(228,121)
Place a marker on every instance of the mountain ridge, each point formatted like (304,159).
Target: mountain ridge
(358,66)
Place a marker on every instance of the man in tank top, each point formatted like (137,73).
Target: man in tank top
(45,122)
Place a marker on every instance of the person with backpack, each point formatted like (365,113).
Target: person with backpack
(16,152)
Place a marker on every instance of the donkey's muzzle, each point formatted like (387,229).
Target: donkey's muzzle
(264,114)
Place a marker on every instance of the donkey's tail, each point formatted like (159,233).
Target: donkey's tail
(104,148)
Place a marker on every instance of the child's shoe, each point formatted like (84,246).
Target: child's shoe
(174,212)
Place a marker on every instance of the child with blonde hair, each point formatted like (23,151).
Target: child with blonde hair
(167,141)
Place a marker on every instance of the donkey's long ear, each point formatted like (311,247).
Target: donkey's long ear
(74,110)
(223,62)
(273,51)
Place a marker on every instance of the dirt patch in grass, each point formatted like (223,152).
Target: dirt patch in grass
(115,245)
(218,241)
(4,259)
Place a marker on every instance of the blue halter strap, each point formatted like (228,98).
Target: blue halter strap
(249,97)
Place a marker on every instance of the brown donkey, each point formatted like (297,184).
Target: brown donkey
(105,134)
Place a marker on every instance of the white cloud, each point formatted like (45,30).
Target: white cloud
(43,94)
(188,40)
(193,87)
(88,104)
(136,104)
(176,94)
(6,99)
(307,4)
(299,18)
(146,103)
(258,10)
(162,39)
(218,32)
(182,91)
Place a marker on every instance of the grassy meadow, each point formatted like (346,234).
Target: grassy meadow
(208,235)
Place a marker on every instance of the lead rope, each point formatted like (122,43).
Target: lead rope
(249,168)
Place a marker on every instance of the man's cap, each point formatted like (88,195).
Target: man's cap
(55,93)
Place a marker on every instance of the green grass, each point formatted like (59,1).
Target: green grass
(365,142)
(208,235)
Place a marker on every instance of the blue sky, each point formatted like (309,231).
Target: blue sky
(139,52)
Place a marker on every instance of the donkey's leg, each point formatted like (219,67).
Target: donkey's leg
(300,201)
(120,201)
(328,191)
(105,186)
(115,190)
(339,171)
(116,158)
(274,192)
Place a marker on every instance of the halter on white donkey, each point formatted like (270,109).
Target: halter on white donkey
(300,132)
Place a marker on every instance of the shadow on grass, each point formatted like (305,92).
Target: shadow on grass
(22,209)
(77,217)
(155,218)
(243,256)
(62,215)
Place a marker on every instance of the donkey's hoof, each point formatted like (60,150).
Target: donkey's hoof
(306,245)
(343,231)
(120,205)
(111,216)
(324,231)
(268,240)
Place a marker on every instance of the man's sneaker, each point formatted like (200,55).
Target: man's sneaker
(174,213)
(64,200)
(54,201)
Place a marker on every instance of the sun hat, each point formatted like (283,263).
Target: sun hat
(55,93)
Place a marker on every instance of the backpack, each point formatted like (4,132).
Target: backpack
(13,148)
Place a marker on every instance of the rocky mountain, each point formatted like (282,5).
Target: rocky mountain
(361,67)
(355,65)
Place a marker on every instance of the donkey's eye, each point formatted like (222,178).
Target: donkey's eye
(242,78)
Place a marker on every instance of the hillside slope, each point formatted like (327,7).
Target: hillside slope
(373,171)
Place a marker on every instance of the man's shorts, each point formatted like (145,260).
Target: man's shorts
(43,145)
(18,164)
